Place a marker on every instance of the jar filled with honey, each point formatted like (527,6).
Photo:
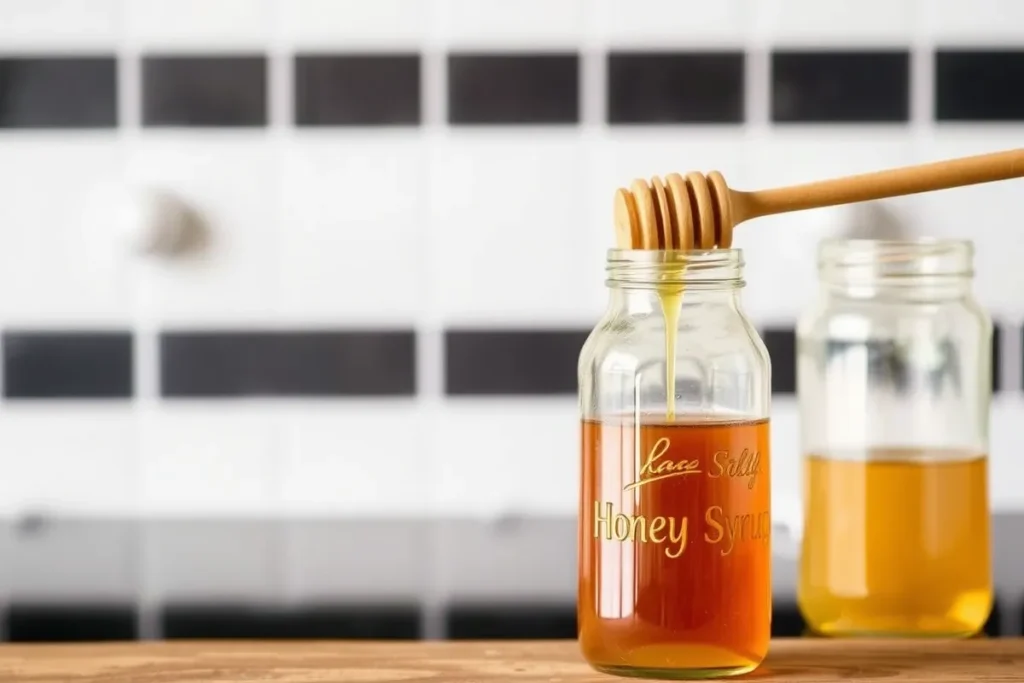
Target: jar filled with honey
(894,380)
(675,519)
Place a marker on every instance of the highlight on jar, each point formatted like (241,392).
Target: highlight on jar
(676,519)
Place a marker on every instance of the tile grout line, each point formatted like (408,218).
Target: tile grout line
(281,124)
(145,346)
(430,362)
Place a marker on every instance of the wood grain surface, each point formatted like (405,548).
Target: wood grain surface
(804,660)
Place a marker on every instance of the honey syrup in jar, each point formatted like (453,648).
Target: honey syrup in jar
(675,502)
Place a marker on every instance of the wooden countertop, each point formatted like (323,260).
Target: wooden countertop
(803,660)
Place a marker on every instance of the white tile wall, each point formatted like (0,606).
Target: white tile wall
(352,227)
(533,24)
(309,25)
(669,23)
(437,210)
(231,179)
(506,211)
(59,25)
(356,460)
(60,258)
(805,23)
(210,25)
(983,22)
(76,459)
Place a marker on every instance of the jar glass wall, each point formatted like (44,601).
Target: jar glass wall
(674,533)
(894,378)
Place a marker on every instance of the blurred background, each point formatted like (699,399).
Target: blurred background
(292,291)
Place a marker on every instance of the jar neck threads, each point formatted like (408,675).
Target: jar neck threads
(651,269)
(926,268)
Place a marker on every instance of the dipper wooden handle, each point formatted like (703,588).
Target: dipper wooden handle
(698,212)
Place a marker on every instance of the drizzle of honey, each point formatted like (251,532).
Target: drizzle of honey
(671,297)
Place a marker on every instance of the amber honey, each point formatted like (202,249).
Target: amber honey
(675,546)
(896,543)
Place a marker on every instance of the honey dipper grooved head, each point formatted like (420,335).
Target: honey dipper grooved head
(691,212)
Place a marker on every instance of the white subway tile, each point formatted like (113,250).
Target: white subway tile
(786,454)
(352,228)
(103,552)
(208,559)
(355,459)
(355,24)
(230,180)
(60,259)
(781,250)
(359,559)
(510,239)
(533,24)
(200,461)
(628,154)
(206,25)
(1006,468)
(496,457)
(522,557)
(979,23)
(987,214)
(840,23)
(73,459)
(672,24)
(55,26)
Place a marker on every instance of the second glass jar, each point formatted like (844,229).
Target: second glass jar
(894,378)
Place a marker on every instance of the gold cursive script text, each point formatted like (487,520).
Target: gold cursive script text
(655,469)
(747,465)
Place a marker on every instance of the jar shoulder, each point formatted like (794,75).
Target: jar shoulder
(626,342)
(866,318)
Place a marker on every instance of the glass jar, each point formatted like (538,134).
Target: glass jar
(675,521)
(894,378)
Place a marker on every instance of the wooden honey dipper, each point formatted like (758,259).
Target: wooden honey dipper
(700,212)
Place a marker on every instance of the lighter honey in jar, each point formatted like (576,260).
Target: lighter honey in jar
(675,501)
(894,383)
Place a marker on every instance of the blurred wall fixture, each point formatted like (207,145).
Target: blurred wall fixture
(160,223)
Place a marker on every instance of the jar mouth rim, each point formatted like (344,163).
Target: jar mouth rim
(676,256)
(906,243)
(902,258)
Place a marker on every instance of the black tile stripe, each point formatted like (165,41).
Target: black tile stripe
(994,624)
(385,622)
(781,345)
(512,362)
(261,363)
(997,362)
(58,92)
(675,87)
(67,364)
(519,622)
(787,621)
(979,85)
(357,90)
(840,86)
(204,90)
(513,88)
(26,623)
